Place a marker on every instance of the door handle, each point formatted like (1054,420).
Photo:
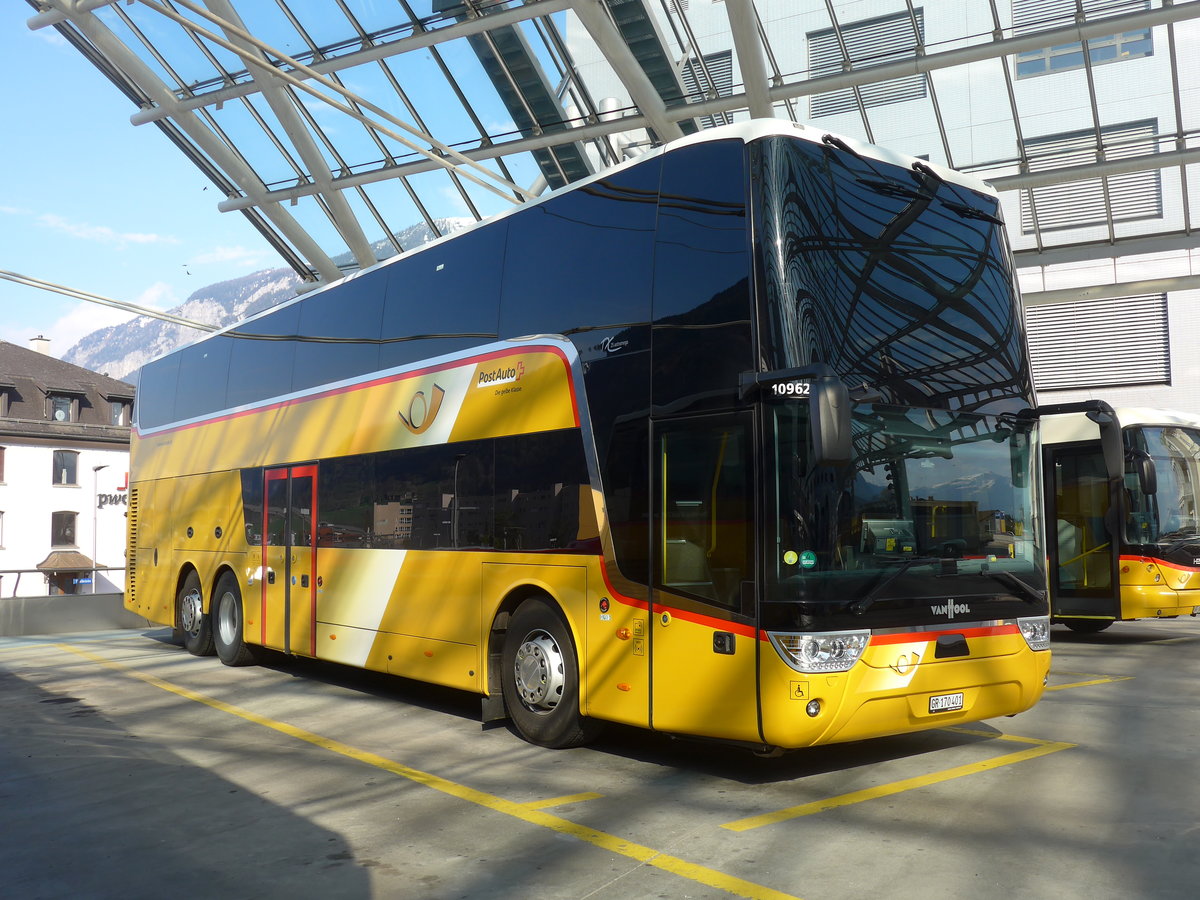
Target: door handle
(303,581)
(270,576)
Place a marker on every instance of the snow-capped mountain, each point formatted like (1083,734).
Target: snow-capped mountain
(119,351)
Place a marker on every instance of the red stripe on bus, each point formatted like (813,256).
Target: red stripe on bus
(1145,560)
(676,613)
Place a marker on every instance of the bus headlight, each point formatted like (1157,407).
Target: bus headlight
(821,651)
(1036,631)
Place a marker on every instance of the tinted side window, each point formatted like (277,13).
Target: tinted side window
(542,499)
(583,259)
(347,505)
(434,497)
(627,498)
(339,331)
(451,289)
(155,400)
(702,277)
(203,373)
(260,367)
(252,504)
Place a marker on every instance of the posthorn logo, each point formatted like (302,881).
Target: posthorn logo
(950,609)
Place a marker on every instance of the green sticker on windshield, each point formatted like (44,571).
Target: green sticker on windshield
(808,559)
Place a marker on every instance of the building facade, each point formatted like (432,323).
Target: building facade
(64,474)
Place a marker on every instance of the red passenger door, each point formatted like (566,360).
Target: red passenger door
(289,560)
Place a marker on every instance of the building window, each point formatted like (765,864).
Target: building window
(871,42)
(66,467)
(1,465)
(120,412)
(62,529)
(1100,343)
(1078,204)
(62,408)
(1034,15)
(719,67)
(5,389)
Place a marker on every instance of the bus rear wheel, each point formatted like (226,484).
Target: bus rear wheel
(229,621)
(190,618)
(540,678)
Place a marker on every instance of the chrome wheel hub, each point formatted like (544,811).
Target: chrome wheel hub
(227,619)
(190,612)
(539,672)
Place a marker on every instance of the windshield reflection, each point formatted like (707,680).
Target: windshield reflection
(935,503)
(1171,513)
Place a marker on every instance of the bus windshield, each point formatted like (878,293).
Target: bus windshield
(1172,513)
(928,494)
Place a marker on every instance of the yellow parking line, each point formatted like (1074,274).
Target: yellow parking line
(1040,748)
(561,801)
(638,852)
(1090,680)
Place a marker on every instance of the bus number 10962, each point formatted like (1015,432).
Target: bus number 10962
(792,389)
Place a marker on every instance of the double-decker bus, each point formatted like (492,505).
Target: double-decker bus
(1123,512)
(726,441)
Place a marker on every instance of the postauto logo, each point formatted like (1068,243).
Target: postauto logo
(501,375)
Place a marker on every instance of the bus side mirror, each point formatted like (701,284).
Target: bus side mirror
(1147,474)
(829,420)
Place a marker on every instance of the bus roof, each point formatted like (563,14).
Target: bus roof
(747,132)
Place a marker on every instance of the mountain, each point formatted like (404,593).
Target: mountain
(119,351)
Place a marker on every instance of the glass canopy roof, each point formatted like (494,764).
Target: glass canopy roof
(334,125)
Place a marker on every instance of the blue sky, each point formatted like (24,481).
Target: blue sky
(92,202)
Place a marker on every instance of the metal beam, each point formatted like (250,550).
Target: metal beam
(283,106)
(1113,291)
(992,49)
(421,40)
(444,155)
(1144,163)
(593,15)
(1120,248)
(204,138)
(750,57)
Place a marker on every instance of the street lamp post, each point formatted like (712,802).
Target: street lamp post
(95,519)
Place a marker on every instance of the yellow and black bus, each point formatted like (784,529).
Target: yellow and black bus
(1123,512)
(729,441)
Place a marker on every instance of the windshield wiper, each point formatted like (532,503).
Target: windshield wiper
(862,604)
(1030,593)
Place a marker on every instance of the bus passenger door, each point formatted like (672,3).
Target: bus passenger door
(289,558)
(703,640)
(1083,560)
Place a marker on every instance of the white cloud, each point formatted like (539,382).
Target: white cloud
(102,233)
(244,256)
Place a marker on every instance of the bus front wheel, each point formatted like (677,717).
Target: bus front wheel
(190,619)
(540,678)
(228,621)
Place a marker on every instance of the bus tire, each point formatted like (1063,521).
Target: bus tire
(229,622)
(191,619)
(1087,626)
(540,678)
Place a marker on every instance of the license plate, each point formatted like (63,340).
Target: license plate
(946,702)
